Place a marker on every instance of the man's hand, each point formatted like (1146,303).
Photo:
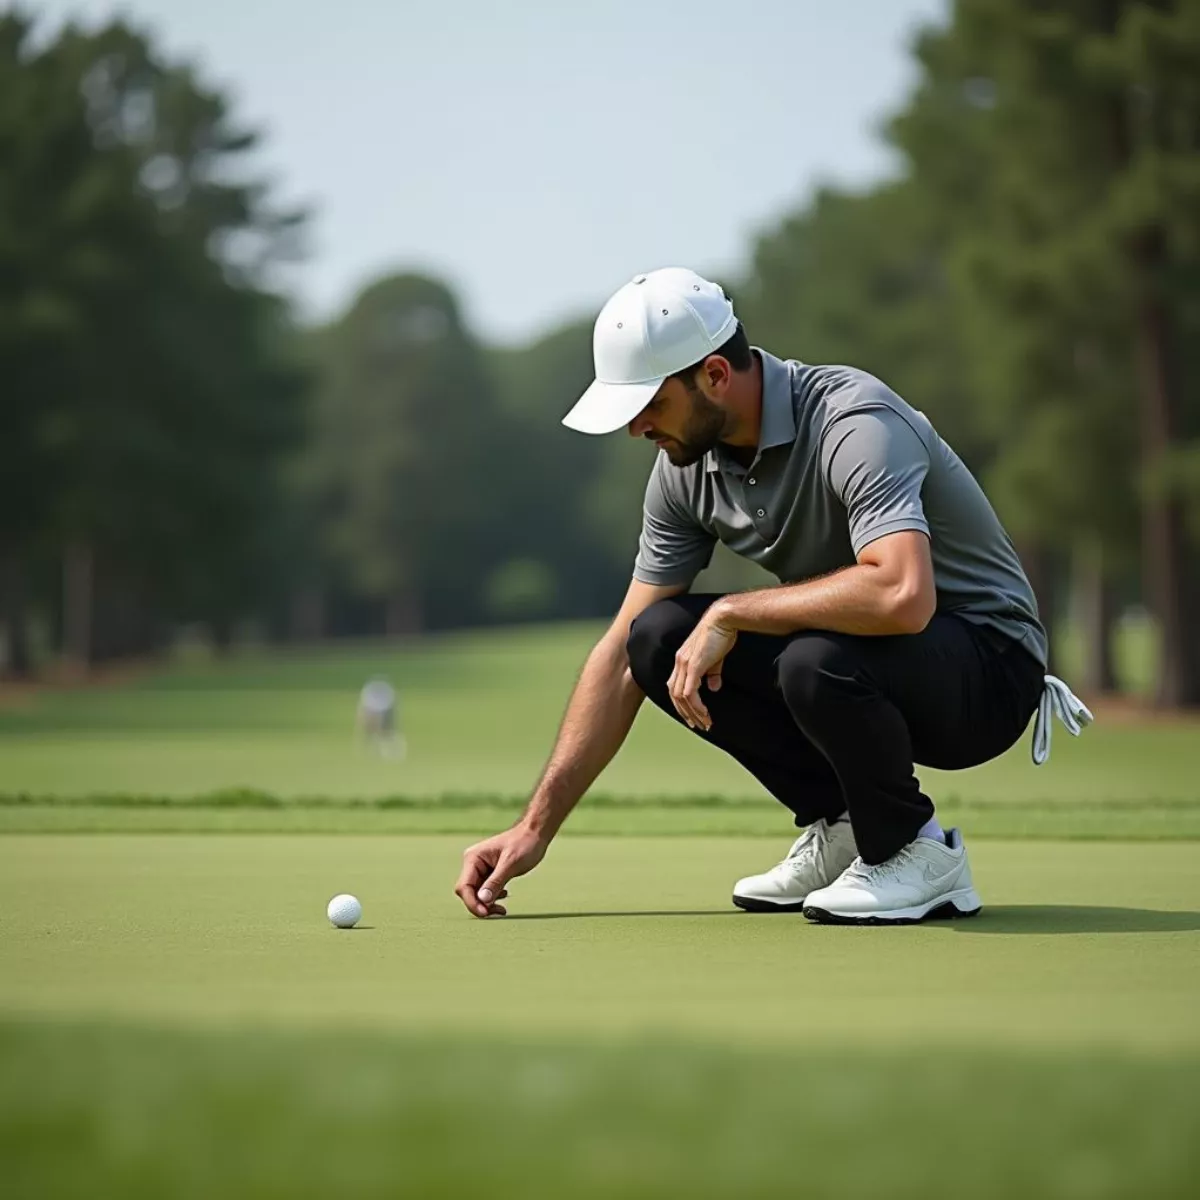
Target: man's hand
(489,865)
(700,658)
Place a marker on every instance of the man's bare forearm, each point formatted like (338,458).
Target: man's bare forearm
(597,721)
(862,600)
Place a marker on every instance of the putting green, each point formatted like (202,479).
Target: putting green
(1081,944)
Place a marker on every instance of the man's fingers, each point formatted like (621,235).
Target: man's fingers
(684,707)
(691,688)
(677,701)
(677,686)
(692,710)
(494,885)
(489,866)
(492,908)
(683,686)
(471,901)
(671,688)
(469,877)
(475,868)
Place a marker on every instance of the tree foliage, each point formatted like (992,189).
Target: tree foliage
(148,388)
(173,449)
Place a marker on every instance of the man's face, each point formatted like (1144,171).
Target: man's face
(681,420)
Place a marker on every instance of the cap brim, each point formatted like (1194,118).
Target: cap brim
(607,407)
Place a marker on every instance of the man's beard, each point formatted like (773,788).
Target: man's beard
(705,424)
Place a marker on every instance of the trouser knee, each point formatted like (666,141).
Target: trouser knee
(812,671)
(654,639)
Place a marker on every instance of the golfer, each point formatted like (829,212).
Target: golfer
(378,719)
(903,631)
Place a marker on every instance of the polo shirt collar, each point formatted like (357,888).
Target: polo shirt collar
(778,426)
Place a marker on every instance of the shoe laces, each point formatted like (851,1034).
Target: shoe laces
(877,872)
(809,845)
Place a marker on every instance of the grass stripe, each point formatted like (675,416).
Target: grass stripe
(1169,820)
(98,1110)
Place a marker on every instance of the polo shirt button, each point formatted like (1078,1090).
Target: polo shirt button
(762,512)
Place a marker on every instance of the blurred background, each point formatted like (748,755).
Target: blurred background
(293,296)
(292,305)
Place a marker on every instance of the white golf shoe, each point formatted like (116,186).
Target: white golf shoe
(818,856)
(927,879)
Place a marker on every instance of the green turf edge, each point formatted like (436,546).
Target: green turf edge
(1055,822)
(250,811)
(103,1109)
(250,798)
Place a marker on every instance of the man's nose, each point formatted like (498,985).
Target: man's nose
(639,425)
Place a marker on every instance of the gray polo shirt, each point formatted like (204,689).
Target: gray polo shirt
(841,462)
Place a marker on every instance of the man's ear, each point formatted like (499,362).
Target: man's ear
(718,372)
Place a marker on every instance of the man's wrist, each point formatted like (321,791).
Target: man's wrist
(540,820)
(726,612)
(756,612)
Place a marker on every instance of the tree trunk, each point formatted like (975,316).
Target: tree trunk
(1041,571)
(221,630)
(18,662)
(1164,536)
(1165,583)
(307,616)
(78,580)
(1095,617)
(402,615)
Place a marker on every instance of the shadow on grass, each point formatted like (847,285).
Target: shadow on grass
(1003,918)
(1077,918)
(673,912)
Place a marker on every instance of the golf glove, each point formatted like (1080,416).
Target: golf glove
(1059,700)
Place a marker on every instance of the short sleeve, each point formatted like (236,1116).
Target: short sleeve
(875,463)
(673,548)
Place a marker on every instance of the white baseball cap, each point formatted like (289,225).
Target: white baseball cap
(657,324)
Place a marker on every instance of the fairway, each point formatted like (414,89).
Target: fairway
(480,710)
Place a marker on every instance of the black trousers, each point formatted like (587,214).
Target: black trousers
(830,722)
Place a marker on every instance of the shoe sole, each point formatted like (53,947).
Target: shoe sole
(953,907)
(752,904)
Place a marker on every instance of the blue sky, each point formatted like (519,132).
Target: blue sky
(536,154)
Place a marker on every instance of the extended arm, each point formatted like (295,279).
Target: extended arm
(598,718)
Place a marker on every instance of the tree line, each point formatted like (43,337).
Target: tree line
(148,383)
(175,449)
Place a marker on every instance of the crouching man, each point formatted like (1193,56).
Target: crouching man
(904,629)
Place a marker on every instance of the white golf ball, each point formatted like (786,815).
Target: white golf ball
(344,911)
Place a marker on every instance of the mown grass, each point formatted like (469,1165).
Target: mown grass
(480,712)
(263,812)
(1079,944)
(157,1114)
(178,1020)
(174,1010)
